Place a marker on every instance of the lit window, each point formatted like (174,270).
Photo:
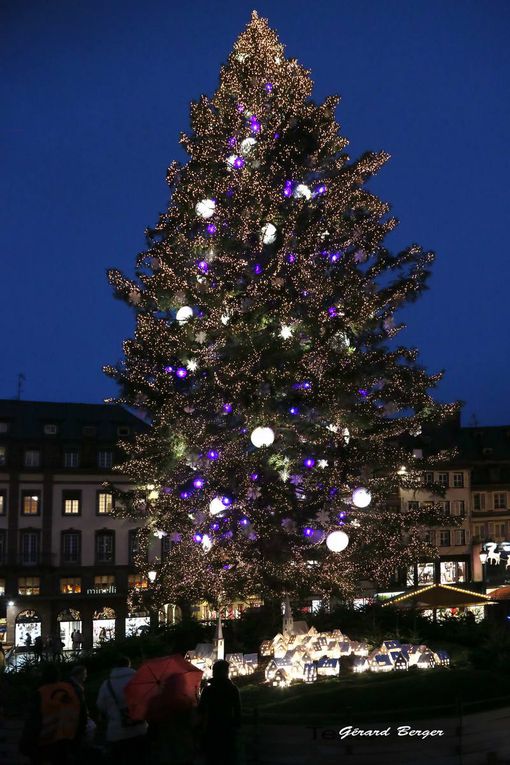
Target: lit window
(3,455)
(30,503)
(104,502)
(71,459)
(71,546)
(29,585)
(460,537)
(70,585)
(500,501)
(453,571)
(105,582)
(71,502)
(429,536)
(459,507)
(458,480)
(426,573)
(3,502)
(137,582)
(444,538)
(104,459)
(2,588)
(32,458)
(478,501)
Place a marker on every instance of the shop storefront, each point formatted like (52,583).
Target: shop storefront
(103,626)
(28,627)
(69,620)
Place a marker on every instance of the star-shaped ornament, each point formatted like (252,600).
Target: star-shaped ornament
(286,331)
(201,337)
(323,464)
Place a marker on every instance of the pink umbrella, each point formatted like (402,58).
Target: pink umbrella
(161,687)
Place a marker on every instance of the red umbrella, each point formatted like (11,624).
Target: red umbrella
(161,687)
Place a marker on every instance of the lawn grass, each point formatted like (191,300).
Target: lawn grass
(415,694)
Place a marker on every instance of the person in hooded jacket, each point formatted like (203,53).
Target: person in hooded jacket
(219,710)
(126,737)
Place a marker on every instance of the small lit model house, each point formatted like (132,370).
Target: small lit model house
(204,655)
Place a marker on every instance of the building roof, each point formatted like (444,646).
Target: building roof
(26,419)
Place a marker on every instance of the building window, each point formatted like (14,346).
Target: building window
(50,429)
(460,537)
(4,427)
(71,459)
(30,503)
(426,573)
(104,503)
(29,585)
(500,501)
(458,480)
(442,479)
(123,430)
(500,531)
(137,582)
(105,547)
(3,455)
(3,546)
(429,536)
(428,478)
(70,585)
(444,506)
(478,501)
(459,507)
(71,502)
(104,582)
(479,531)
(71,546)
(453,571)
(413,505)
(134,544)
(29,547)
(32,458)
(2,588)
(105,459)
(3,502)
(444,538)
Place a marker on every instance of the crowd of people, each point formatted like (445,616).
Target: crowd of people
(60,730)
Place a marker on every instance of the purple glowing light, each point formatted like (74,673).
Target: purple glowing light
(254,476)
(254,124)
(184,494)
(198,483)
(227,408)
(294,410)
(181,372)
(238,163)
(257,269)
(333,311)
(168,370)
(226,501)
(342,514)
(362,392)
(197,537)
(287,189)
(276,136)
(268,87)
(291,258)
(335,257)
(308,532)
(211,229)
(212,454)
(244,522)
(240,108)
(232,141)
(321,190)
(309,462)
(203,266)
(214,526)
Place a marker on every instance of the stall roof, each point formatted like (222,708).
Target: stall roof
(439,596)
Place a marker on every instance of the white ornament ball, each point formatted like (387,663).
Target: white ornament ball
(262,437)
(216,506)
(206,542)
(247,145)
(205,208)
(346,435)
(361,497)
(231,160)
(184,314)
(337,541)
(302,191)
(268,233)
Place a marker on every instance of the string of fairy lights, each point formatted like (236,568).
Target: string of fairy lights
(264,305)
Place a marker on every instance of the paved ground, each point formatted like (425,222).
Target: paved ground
(482,739)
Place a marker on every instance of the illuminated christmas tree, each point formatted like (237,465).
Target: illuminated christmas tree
(264,356)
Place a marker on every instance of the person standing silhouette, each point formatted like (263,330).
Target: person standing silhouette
(219,710)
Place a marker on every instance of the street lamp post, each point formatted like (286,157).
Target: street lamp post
(483,561)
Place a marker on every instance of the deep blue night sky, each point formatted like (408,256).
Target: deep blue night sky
(94,95)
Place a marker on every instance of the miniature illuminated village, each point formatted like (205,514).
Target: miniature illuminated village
(302,654)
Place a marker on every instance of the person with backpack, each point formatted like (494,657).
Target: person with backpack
(126,737)
(52,726)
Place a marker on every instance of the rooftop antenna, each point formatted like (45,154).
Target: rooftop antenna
(21,380)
